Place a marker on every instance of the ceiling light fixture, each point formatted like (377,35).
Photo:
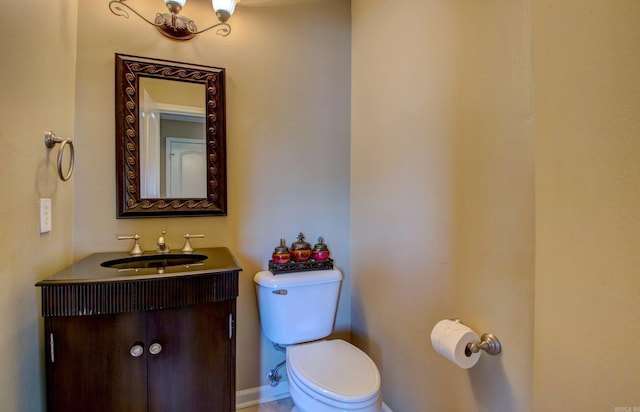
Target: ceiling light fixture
(176,26)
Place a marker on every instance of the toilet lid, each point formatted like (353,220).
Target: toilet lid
(335,369)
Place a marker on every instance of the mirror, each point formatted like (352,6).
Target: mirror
(170,138)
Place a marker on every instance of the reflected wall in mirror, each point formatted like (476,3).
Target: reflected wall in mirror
(170,138)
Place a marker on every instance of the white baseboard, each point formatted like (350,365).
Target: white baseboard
(267,393)
(261,394)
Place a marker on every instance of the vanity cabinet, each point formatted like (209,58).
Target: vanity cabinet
(162,342)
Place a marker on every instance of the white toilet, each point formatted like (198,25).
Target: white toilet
(298,309)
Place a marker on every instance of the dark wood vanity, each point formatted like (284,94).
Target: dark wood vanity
(141,339)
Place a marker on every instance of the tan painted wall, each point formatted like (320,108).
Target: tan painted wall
(37,94)
(442,196)
(587,205)
(287,79)
(441,186)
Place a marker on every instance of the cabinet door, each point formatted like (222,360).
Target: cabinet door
(90,367)
(195,370)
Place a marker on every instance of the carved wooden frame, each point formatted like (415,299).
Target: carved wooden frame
(129,69)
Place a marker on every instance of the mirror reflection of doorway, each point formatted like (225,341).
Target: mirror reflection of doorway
(186,159)
(172,110)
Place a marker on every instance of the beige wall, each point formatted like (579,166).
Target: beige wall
(442,185)
(442,196)
(440,192)
(287,79)
(587,205)
(37,70)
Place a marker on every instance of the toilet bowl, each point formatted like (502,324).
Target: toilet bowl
(297,310)
(332,375)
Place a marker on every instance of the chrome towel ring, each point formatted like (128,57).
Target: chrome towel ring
(50,140)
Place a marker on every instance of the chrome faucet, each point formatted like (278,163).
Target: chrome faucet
(163,248)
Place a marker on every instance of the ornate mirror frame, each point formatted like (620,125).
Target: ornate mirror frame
(129,70)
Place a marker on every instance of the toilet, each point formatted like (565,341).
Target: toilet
(297,310)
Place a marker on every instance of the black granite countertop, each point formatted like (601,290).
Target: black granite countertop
(89,270)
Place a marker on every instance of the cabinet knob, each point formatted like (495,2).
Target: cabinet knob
(155,348)
(136,350)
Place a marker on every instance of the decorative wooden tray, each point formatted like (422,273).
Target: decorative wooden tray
(310,264)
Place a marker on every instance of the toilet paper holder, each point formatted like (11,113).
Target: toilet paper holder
(488,343)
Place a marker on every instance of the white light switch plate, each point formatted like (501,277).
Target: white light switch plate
(45,215)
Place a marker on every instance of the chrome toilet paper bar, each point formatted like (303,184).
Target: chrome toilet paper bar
(488,343)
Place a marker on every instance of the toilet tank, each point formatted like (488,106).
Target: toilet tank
(297,307)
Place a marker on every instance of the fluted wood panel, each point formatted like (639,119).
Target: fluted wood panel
(137,295)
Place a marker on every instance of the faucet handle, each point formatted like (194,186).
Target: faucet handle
(187,248)
(135,250)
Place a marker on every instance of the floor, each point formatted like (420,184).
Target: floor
(281,405)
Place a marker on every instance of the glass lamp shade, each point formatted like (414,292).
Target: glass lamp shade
(180,2)
(228,6)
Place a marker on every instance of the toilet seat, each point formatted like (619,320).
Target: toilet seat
(334,372)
